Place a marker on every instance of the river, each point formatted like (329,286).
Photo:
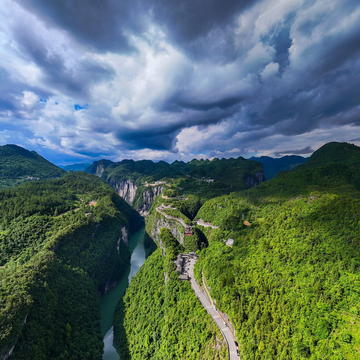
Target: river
(111,298)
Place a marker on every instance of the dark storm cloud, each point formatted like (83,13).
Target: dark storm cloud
(179,104)
(304,151)
(11,91)
(74,81)
(99,24)
(105,25)
(161,135)
(307,108)
(251,77)
(199,26)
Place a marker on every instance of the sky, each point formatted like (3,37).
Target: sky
(163,79)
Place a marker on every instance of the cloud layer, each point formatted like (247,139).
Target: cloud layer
(164,80)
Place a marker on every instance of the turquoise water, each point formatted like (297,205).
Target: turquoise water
(111,298)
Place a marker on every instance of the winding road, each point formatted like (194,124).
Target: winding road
(212,311)
(160,209)
(201,222)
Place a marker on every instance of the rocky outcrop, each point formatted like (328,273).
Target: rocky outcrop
(160,221)
(126,189)
(98,167)
(124,237)
(140,196)
(148,196)
(6,353)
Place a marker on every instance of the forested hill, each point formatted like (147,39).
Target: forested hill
(291,281)
(334,166)
(139,182)
(222,170)
(18,165)
(281,260)
(60,242)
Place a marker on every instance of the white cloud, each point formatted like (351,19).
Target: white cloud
(207,105)
(29,99)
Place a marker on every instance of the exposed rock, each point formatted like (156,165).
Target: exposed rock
(149,195)
(201,222)
(6,354)
(168,223)
(124,237)
(125,188)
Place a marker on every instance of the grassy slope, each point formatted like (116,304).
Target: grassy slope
(56,250)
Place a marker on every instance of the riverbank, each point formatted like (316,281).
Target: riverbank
(110,300)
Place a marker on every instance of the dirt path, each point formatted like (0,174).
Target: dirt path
(167,216)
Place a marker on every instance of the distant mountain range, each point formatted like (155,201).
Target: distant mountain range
(139,182)
(272,166)
(76,167)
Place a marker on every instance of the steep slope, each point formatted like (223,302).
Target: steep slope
(290,280)
(139,182)
(163,318)
(18,165)
(281,260)
(61,243)
(272,166)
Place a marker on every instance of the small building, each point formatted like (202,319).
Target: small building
(246,223)
(188,231)
(179,262)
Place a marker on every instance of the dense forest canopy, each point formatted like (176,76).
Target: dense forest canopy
(59,245)
(205,178)
(289,281)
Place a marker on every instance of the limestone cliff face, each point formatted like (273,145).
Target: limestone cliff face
(160,222)
(6,353)
(140,196)
(98,167)
(123,238)
(126,189)
(147,198)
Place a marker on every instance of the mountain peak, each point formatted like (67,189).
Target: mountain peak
(335,151)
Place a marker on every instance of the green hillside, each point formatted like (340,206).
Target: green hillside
(163,318)
(58,247)
(204,178)
(289,280)
(18,165)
